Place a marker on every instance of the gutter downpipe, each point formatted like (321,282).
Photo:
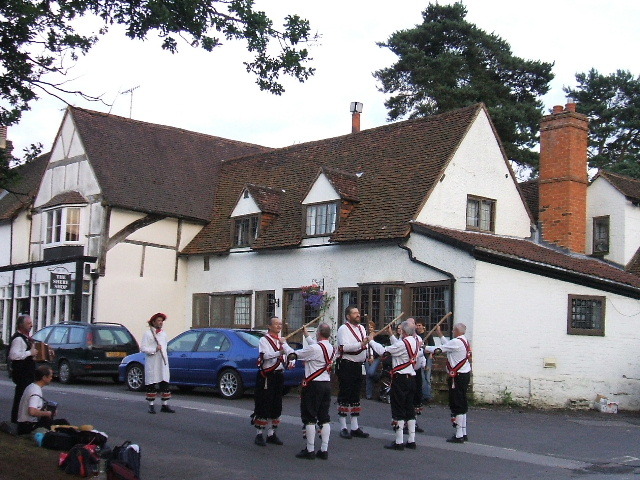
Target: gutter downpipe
(424,264)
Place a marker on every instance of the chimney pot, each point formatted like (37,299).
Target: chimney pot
(355,108)
(571,106)
(557,109)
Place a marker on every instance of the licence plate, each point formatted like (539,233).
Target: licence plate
(115,354)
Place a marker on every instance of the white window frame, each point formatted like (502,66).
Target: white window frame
(62,217)
(315,213)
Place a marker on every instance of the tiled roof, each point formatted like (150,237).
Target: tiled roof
(530,193)
(634,264)
(268,199)
(346,184)
(23,189)
(521,250)
(154,168)
(65,198)
(628,186)
(397,165)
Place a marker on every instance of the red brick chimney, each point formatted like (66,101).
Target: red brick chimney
(356,109)
(563,179)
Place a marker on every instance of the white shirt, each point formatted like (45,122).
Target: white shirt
(32,397)
(455,350)
(399,352)
(421,361)
(155,368)
(18,349)
(350,338)
(313,357)
(269,355)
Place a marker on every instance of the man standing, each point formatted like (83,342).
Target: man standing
(270,383)
(458,353)
(352,352)
(426,370)
(404,355)
(31,414)
(23,367)
(315,396)
(156,366)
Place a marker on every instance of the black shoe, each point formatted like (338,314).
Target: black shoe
(322,455)
(344,433)
(260,440)
(306,454)
(394,446)
(455,440)
(410,445)
(419,429)
(152,409)
(167,409)
(274,439)
(359,433)
(465,438)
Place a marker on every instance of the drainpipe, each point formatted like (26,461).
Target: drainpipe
(424,264)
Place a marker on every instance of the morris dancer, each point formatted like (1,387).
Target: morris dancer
(404,355)
(315,397)
(458,353)
(270,383)
(352,348)
(156,366)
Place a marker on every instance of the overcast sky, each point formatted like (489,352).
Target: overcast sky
(212,93)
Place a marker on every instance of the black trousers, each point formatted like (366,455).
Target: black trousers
(349,382)
(402,392)
(417,395)
(268,401)
(458,393)
(315,400)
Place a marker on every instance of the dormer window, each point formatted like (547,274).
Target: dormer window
(601,235)
(246,230)
(63,225)
(480,213)
(321,219)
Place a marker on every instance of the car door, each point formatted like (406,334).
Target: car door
(210,355)
(179,350)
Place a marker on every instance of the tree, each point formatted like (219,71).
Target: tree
(447,62)
(612,103)
(38,39)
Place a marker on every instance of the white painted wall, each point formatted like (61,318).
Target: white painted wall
(245,206)
(339,266)
(125,297)
(21,232)
(321,191)
(477,168)
(5,243)
(631,230)
(521,319)
(603,199)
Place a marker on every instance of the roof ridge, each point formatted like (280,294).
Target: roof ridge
(368,131)
(159,125)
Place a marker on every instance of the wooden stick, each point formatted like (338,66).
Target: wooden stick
(388,325)
(303,327)
(437,325)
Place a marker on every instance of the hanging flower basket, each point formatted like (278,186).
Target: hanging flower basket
(313,295)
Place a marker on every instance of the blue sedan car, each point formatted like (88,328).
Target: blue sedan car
(225,359)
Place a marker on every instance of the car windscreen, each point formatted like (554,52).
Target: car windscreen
(251,338)
(109,336)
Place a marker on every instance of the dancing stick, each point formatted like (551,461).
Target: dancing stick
(303,327)
(164,359)
(437,325)
(388,325)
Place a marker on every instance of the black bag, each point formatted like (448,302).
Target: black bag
(124,462)
(82,460)
(58,441)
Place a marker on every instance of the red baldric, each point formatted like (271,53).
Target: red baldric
(265,371)
(328,361)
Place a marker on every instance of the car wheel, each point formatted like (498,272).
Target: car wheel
(135,377)
(64,372)
(230,384)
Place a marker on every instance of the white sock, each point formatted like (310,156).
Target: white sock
(411,426)
(464,424)
(325,433)
(459,420)
(399,436)
(354,423)
(343,422)
(270,431)
(311,437)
